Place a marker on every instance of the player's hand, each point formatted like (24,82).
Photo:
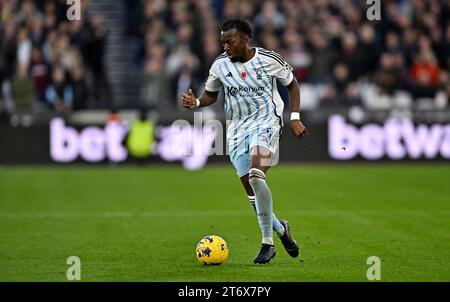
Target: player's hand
(298,129)
(188,100)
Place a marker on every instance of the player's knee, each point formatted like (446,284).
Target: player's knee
(255,175)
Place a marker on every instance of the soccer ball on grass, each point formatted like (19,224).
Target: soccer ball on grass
(212,250)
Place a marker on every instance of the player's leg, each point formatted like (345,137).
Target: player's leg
(264,154)
(259,165)
(241,163)
(276,224)
(257,180)
(279,226)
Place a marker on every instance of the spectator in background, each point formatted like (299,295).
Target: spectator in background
(37,34)
(22,89)
(80,89)
(351,55)
(154,92)
(230,9)
(94,50)
(270,16)
(8,53)
(152,34)
(75,33)
(60,93)
(181,12)
(48,47)
(270,41)
(424,71)
(181,67)
(296,53)
(154,11)
(23,48)
(154,89)
(388,77)
(8,48)
(291,9)
(69,56)
(185,36)
(368,48)
(246,9)
(345,90)
(323,58)
(39,70)
(392,43)
(210,52)
(28,12)
(409,44)
(50,15)
(424,75)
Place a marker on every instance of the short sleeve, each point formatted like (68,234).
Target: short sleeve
(213,82)
(281,70)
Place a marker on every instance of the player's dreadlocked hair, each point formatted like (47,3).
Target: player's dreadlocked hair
(240,25)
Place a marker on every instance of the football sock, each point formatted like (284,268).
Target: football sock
(277,226)
(268,240)
(257,180)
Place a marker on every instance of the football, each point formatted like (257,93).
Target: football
(212,250)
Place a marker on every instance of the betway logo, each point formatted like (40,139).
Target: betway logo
(234,90)
(396,139)
(93,144)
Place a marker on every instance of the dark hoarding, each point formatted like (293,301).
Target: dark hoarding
(194,144)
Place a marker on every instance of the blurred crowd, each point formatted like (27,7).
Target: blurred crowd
(339,56)
(48,63)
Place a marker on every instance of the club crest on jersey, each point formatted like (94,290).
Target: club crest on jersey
(258,74)
(243,75)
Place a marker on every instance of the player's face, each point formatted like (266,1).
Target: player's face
(233,43)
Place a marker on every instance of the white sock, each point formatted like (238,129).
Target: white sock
(268,240)
(281,231)
(257,180)
(277,226)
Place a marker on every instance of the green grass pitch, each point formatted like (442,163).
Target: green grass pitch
(143,223)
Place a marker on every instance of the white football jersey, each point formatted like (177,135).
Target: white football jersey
(251,94)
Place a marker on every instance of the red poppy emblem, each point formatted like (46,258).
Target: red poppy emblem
(243,74)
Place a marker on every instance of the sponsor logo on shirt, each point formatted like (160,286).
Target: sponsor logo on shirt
(232,91)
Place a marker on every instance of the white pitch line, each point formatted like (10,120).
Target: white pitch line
(113,214)
(122,214)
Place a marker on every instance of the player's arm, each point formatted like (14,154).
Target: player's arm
(283,72)
(207,98)
(298,128)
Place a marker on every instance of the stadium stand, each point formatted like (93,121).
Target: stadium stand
(133,54)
